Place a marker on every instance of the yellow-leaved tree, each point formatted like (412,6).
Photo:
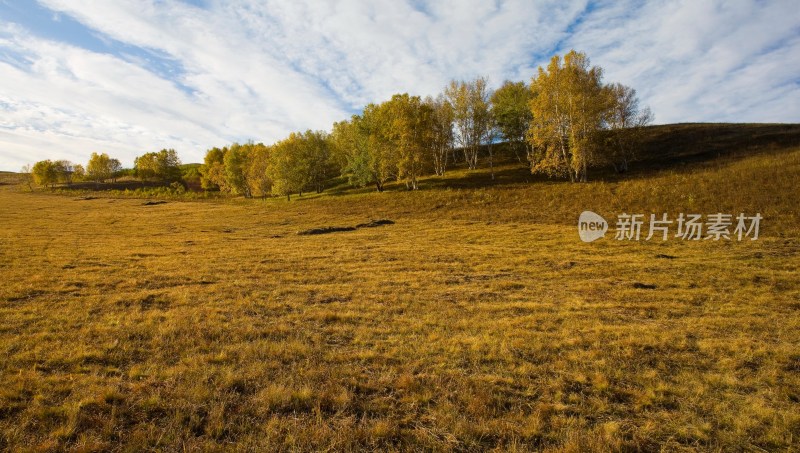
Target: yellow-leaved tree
(98,168)
(441,135)
(410,130)
(568,104)
(212,172)
(256,175)
(287,168)
(472,117)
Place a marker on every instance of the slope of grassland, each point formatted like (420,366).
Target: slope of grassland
(476,321)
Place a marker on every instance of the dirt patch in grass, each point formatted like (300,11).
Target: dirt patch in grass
(337,229)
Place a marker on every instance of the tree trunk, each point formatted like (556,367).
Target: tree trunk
(566,161)
(516,146)
(473,163)
(491,161)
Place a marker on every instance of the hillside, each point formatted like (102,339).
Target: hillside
(680,168)
(732,168)
(9,178)
(694,142)
(663,147)
(477,320)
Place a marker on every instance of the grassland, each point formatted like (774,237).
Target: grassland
(478,321)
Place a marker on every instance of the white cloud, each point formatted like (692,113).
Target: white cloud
(250,69)
(701,60)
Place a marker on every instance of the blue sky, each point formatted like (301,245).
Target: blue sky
(129,77)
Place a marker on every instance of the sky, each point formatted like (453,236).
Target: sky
(130,77)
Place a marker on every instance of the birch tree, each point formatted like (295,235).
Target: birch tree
(27,176)
(512,115)
(256,173)
(65,170)
(626,122)
(411,133)
(236,162)
(115,167)
(376,120)
(350,140)
(471,116)
(212,172)
(441,139)
(316,148)
(287,168)
(364,145)
(568,107)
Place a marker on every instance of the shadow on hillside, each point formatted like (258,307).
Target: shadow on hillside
(507,173)
(686,143)
(681,147)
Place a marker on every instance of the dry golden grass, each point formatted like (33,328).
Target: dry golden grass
(477,321)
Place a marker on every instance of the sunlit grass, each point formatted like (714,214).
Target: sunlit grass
(477,321)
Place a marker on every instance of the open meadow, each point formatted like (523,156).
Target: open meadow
(476,321)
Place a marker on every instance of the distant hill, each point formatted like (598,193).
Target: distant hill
(10,178)
(189,166)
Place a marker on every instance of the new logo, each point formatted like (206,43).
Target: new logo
(591,226)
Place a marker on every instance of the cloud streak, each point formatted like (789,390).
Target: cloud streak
(128,77)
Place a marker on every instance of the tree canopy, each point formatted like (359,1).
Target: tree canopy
(472,119)
(512,114)
(99,168)
(163,165)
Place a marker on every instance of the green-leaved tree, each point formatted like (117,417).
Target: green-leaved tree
(512,115)
(163,165)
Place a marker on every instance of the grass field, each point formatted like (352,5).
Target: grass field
(477,321)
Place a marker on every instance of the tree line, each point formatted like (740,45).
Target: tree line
(566,121)
(48,173)
(161,166)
